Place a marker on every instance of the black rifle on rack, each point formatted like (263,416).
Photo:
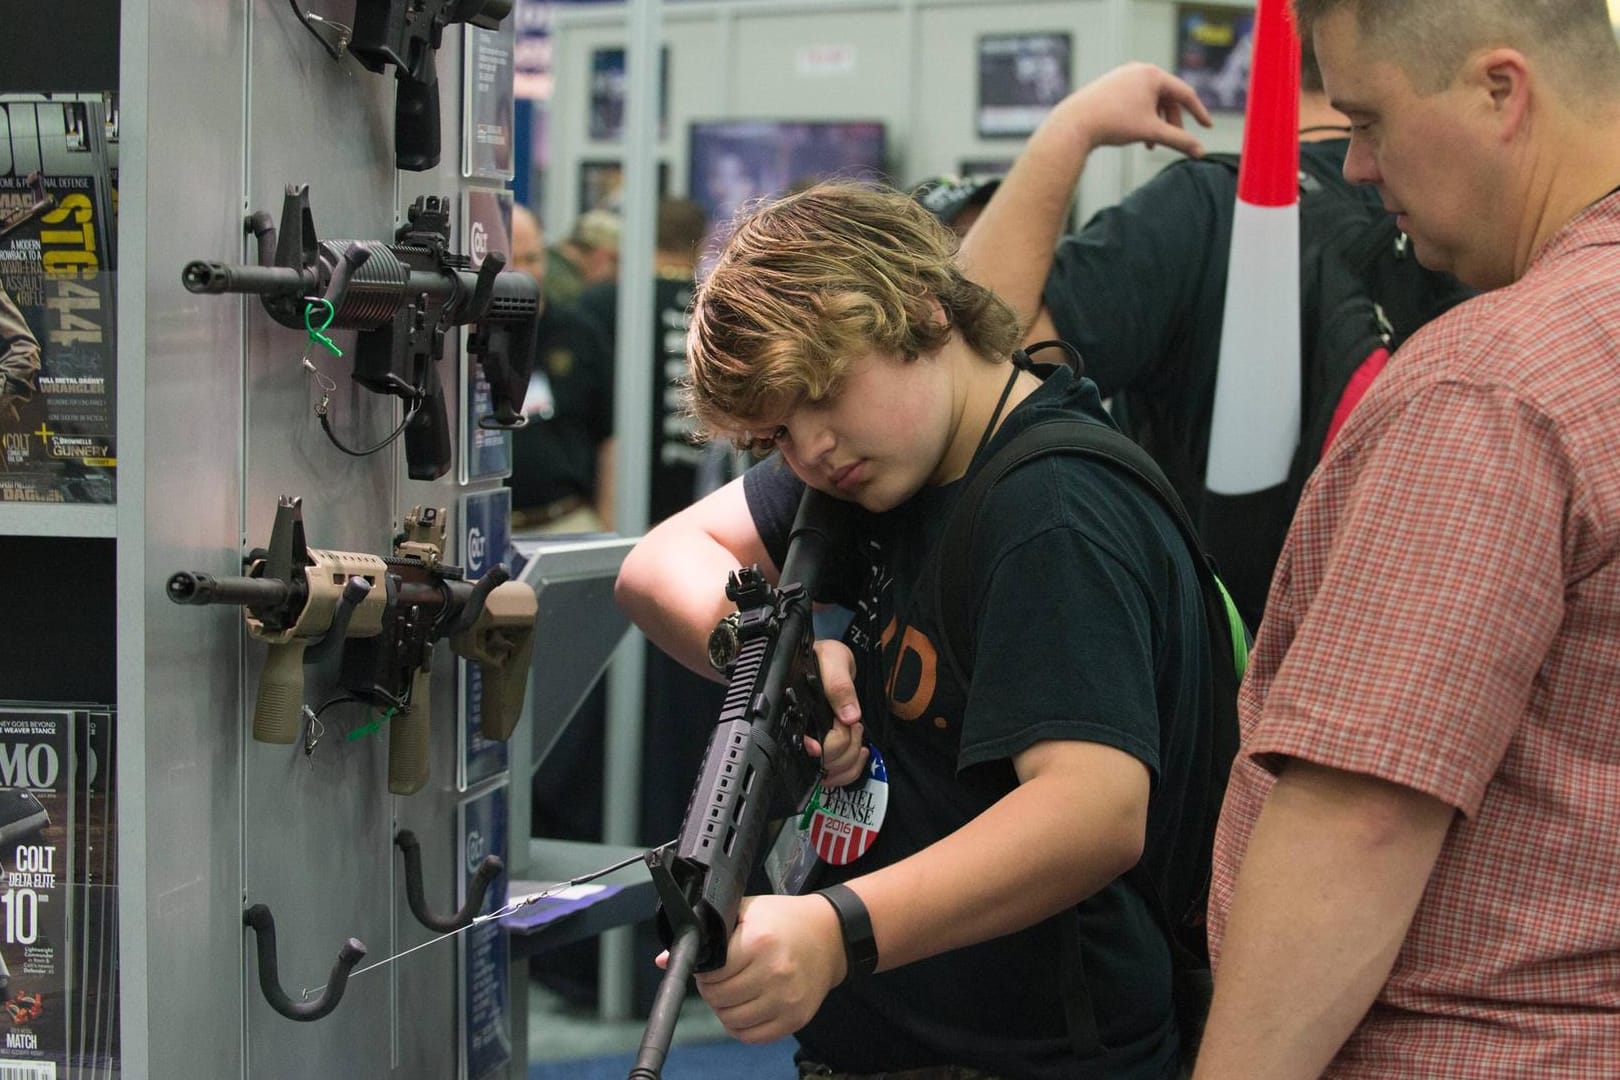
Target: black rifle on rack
(376,620)
(407,34)
(755,769)
(403,298)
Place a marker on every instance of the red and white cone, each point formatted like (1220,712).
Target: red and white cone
(1255,425)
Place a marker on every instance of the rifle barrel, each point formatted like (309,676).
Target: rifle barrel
(192,588)
(202,276)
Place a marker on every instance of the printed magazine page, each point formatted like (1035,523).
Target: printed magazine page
(57,268)
(36,842)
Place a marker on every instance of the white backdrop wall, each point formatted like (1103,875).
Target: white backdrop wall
(912,64)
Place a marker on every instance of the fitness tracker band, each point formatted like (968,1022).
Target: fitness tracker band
(860,947)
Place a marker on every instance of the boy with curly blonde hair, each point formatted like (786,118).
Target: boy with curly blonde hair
(985,932)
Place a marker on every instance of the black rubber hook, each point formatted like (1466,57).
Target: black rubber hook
(487,871)
(259,918)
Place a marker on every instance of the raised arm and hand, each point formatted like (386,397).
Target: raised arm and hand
(1009,249)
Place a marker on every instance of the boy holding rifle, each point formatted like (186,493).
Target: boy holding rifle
(983,931)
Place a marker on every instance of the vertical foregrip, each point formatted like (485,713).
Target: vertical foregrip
(408,740)
(278,712)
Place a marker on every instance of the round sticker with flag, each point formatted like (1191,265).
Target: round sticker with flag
(846,820)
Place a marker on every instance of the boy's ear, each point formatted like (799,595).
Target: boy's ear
(936,313)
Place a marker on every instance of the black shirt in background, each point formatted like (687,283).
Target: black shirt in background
(675,457)
(555,457)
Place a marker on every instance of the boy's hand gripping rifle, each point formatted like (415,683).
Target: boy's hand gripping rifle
(403,298)
(755,769)
(377,620)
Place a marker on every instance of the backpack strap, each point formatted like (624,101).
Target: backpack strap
(1067,435)
(1228,637)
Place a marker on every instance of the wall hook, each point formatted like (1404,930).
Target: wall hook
(259,918)
(487,871)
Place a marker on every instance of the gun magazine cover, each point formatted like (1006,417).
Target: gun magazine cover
(58,892)
(57,269)
(37,834)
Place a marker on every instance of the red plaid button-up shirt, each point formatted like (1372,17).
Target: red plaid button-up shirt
(1446,616)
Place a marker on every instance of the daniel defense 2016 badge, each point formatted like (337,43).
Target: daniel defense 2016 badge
(844,821)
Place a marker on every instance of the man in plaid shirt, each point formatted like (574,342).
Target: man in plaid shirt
(1418,864)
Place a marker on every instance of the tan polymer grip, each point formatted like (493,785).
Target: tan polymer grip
(505,682)
(501,643)
(408,740)
(278,714)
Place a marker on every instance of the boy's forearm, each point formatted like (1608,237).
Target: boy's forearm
(1045,846)
(1330,881)
(673,582)
(676,594)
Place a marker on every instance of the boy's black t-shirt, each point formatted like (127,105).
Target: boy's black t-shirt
(1089,627)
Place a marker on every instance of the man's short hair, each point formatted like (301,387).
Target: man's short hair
(813,282)
(1430,39)
(596,229)
(1310,72)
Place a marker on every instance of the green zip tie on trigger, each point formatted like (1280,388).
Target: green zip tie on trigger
(811,807)
(316,333)
(366,729)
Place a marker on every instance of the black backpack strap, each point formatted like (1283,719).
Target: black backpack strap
(1229,640)
(1072,436)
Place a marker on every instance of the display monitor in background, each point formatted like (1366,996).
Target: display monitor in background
(1021,76)
(734,162)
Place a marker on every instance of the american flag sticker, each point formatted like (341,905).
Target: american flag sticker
(848,819)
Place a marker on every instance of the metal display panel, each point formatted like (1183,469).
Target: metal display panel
(223,107)
(316,840)
(577,628)
(181,195)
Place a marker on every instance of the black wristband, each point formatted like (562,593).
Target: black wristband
(860,947)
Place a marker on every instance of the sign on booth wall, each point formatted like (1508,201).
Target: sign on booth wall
(485,1015)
